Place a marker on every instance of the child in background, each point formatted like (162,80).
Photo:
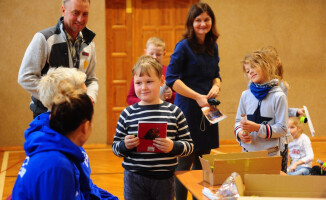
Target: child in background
(265,106)
(272,52)
(155,47)
(301,154)
(150,175)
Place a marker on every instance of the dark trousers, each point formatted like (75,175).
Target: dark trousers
(138,187)
(37,107)
(284,155)
(185,163)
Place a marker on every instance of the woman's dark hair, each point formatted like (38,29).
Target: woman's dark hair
(211,36)
(70,109)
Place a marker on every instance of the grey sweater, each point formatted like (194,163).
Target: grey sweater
(274,108)
(49,48)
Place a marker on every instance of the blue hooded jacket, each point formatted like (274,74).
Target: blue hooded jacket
(55,168)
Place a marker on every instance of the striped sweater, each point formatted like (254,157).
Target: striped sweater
(153,165)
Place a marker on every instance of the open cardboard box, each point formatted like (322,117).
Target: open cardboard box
(282,186)
(217,168)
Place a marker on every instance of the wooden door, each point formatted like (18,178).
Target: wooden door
(129,23)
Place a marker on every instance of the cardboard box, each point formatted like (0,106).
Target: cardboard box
(217,168)
(267,185)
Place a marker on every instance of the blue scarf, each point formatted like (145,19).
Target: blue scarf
(260,91)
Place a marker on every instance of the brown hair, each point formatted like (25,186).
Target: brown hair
(70,108)
(272,52)
(211,36)
(144,64)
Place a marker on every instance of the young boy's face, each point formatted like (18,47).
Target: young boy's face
(147,87)
(156,52)
(256,74)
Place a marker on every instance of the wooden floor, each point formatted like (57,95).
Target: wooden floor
(107,172)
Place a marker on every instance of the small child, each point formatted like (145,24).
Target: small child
(279,71)
(272,52)
(264,105)
(301,154)
(150,175)
(155,47)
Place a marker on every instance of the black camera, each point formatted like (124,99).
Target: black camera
(213,102)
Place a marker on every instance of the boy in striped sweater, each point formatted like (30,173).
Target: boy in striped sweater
(150,175)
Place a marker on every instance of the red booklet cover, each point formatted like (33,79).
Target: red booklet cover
(147,132)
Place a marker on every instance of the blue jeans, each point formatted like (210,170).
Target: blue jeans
(138,187)
(300,171)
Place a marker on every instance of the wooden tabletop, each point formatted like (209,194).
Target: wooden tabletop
(193,181)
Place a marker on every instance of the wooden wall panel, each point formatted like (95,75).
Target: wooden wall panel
(119,56)
(128,33)
(119,72)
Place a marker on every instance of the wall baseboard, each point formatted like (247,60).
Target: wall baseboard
(102,145)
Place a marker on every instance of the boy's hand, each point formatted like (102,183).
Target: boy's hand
(249,126)
(244,137)
(164,144)
(300,112)
(131,141)
(166,94)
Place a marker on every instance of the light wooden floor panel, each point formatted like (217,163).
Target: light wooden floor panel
(107,172)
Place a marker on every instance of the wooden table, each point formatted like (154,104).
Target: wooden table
(193,181)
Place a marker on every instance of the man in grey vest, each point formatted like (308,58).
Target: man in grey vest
(68,44)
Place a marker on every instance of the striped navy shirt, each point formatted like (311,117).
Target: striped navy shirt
(154,165)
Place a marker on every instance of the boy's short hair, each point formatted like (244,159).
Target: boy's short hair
(144,64)
(156,41)
(49,83)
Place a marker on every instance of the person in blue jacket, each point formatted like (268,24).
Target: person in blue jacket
(193,73)
(55,166)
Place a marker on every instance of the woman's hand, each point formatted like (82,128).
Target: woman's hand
(131,141)
(213,93)
(202,100)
